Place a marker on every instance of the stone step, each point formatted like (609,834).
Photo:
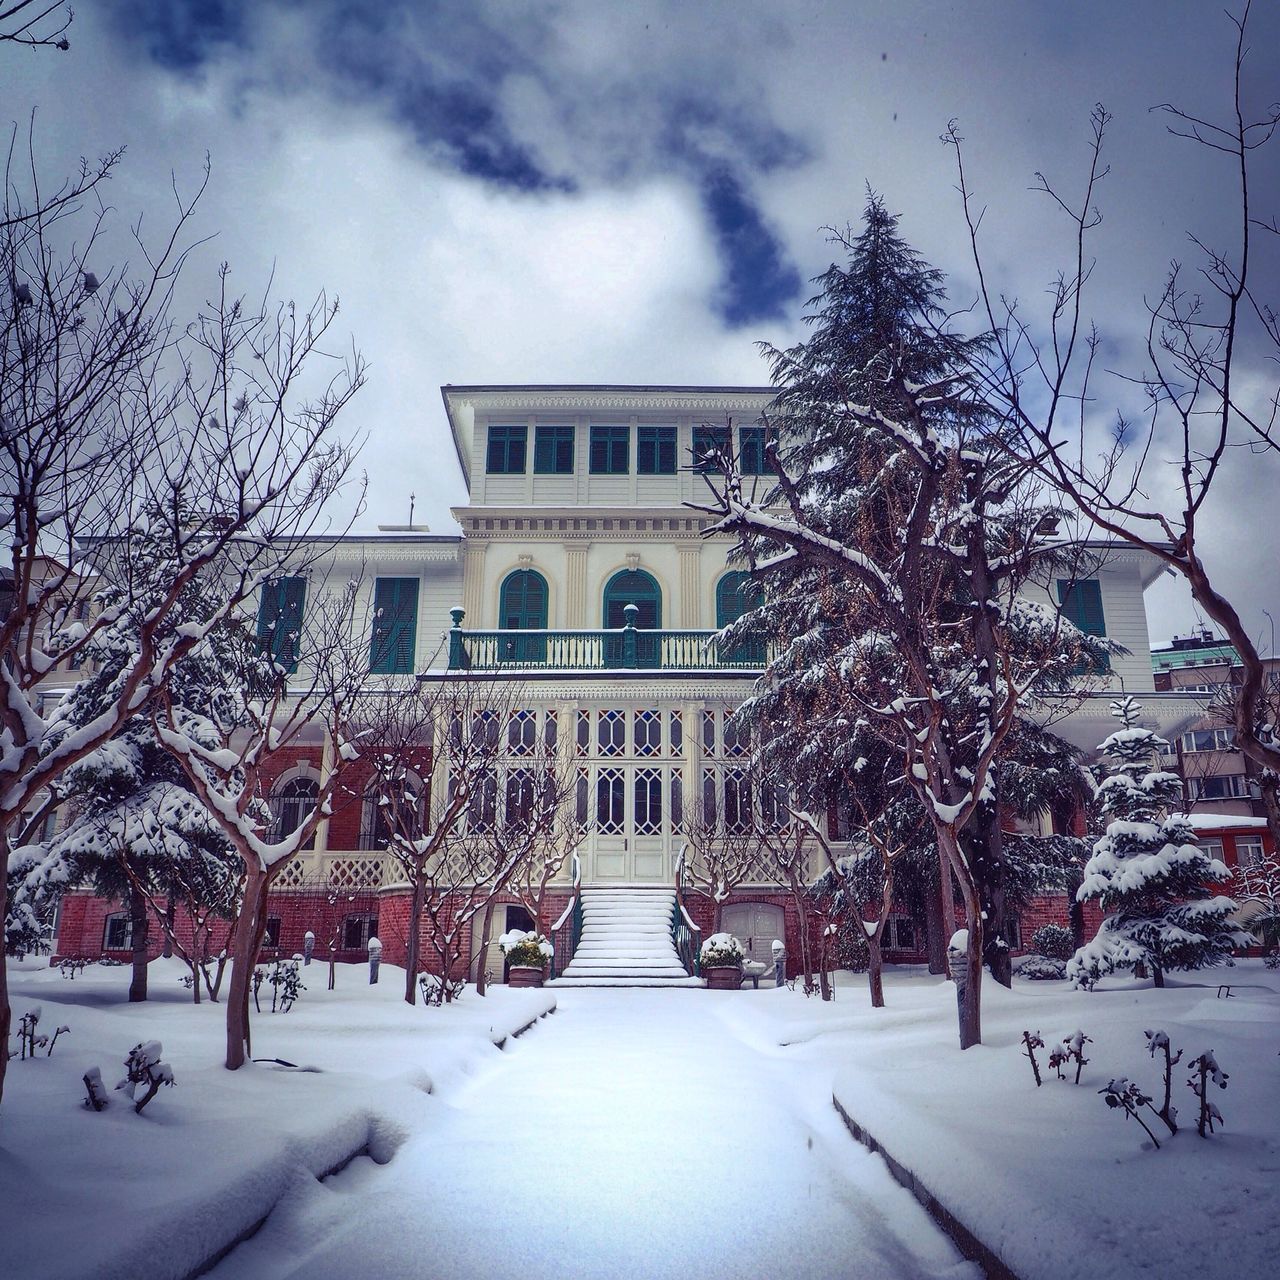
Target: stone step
(685,981)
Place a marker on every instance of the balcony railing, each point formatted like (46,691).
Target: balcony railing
(625,648)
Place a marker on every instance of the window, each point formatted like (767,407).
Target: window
(1013,932)
(522,606)
(1249,850)
(375,827)
(737,802)
(655,451)
(1229,786)
(482,805)
(522,733)
(710,448)
(610,450)
(357,930)
(632,586)
(553,451)
(900,934)
(506,453)
(677,733)
(280,620)
(271,934)
(519,808)
(648,801)
(648,733)
(611,733)
(291,806)
(751,446)
(1081,604)
(395,625)
(709,732)
(1208,740)
(118,934)
(610,800)
(737,594)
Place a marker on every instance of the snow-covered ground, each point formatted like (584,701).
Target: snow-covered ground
(114,1194)
(1058,1185)
(638,1132)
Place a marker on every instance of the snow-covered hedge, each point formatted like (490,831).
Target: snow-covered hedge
(522,948)
(1054,941)
(721,949)
(1042,969)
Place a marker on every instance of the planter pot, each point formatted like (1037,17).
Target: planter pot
(727,977)
(525,975)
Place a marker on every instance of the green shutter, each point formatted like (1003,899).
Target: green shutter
(655,450)
(1081,604)
(553,451)
(395,626)
(280,620)
(737,594)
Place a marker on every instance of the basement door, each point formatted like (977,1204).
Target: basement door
(755,925)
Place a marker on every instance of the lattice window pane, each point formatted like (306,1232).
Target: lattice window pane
(648,802)
(611,733)
(584,732)
(677,733)
(709,732)
(610,801)
(648,733)
(550,731)
(580,798)
(709,806)
(520,797)
(482,809)
(737,802)
(736,741)
(522,732)
(677,800)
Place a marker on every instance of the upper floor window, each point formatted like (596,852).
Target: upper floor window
(610,449)
(553,450)
(1080,602)
(395,624)
(1223,786)
(655,450)
(1208,740)
(710,448)
(522,606)
(751,455)
(632,586)
(1249,850)
(280,620)
(506,453)
(737,594)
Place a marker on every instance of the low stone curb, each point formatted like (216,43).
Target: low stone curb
(519,1031)
(962,1236)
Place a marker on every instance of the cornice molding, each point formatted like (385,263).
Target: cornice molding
(605,401)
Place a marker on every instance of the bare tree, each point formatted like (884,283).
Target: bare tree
(112,415)
(1204,345)
(37,24)
(722,840)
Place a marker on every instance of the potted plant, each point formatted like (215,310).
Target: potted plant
(526,955)
(721,960)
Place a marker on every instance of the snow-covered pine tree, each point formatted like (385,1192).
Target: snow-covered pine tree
(137,832)
(870,459)
(1148,872)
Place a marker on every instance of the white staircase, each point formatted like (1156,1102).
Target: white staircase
(626,942)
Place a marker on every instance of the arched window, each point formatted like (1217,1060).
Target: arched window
(736,594)
(375,825)
(291,806)
(633,586)
(522,606)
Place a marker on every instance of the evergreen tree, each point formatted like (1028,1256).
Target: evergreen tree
(878,336)
(1148,871)
(137,832)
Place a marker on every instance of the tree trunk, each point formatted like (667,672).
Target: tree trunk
(481,981)
(970,995)
(1158,974)
(947,894)
(139,921)
(170,913)
(935,933)
(247,940)
(6,1013)
(987,860)
(875,973)
(413,944)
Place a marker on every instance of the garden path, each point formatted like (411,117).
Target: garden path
(631,1134)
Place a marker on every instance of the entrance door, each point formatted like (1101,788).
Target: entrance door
(755,925)
(634,815)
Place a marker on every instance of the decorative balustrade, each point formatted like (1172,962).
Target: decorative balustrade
(566,933)
(626,648)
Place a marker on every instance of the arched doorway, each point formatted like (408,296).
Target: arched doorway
(522,606)
(633,586)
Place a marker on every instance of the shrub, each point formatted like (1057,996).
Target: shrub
(530,949)
(1054,942)
(1042,969)
(721,950)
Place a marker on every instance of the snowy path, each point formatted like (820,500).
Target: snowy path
(631,1134)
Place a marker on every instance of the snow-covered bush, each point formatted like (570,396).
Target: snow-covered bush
(1054,942)
(1042,969)
(436,991)
(526,949)
(722,950)
(285,980)
(143,1067)
(95,1090)
(1148,871)
(1205,1072)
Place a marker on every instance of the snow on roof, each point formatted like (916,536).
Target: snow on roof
(1202,822)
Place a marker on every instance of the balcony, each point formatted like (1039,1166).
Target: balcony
(620,649)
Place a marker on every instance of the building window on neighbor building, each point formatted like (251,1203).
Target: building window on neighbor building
(610,450)
(751,451)
(1208,740)
(357,930)
(1212,848)
(553,450)
(1249,851)
(117,935)
(395,626)
(711,449)
(1227,786)
(655,450)
(505,455)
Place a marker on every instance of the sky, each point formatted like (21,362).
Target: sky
(596,191)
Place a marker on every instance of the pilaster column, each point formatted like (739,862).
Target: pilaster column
(473,585)
(690,561)
(575,586)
